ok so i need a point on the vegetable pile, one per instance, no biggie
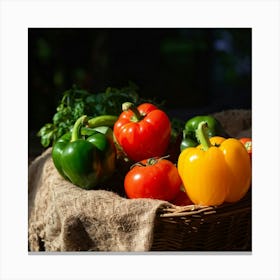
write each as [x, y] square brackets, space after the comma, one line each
[97, 138]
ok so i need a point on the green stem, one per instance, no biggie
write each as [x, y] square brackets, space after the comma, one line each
[105, 120]
[202, 136]
[130, 106]
[77, 127]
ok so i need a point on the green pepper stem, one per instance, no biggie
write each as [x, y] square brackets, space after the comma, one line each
[202, 136]
[130, 106]
[104, 120]
[77, 127]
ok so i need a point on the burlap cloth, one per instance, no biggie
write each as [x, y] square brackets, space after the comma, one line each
[63, 217]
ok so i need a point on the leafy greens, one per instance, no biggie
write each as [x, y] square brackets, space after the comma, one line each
[76, 102]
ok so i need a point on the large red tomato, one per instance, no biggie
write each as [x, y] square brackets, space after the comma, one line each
[142, 132]
[156, 178]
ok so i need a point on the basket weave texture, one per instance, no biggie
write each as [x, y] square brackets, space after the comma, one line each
[195, 228]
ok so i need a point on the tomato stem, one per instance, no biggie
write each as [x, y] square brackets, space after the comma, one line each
[152, 161]
[130, 106]
[137, 164]
[202, 136]
[149, 161]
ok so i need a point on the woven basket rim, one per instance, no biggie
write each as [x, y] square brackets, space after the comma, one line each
[173, 211]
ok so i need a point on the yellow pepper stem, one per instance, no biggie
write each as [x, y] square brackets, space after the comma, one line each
[202, 136]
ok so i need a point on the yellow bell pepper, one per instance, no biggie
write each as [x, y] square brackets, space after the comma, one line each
[216, 171]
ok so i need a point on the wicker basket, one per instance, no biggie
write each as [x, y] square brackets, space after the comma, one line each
[195, 228]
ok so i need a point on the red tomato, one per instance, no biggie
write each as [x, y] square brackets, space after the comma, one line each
[247, 142]
[143, 132]
[153, 178]
[182, 199]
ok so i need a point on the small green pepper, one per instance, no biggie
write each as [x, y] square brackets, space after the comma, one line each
[85, 156]
[189, 136]
[187, 142]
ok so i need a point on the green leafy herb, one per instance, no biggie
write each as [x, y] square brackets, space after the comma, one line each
[77, 102]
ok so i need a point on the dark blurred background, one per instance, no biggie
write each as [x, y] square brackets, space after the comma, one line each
[195, 71]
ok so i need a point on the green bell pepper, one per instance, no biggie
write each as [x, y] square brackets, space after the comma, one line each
[189, 136]
[187, 142]
[86, 156]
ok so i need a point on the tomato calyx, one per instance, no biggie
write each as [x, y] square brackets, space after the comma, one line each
[248, 146]
[247, 142]
[149, 161]
[154, 160]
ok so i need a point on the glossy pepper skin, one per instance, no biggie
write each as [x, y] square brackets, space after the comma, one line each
[85, 161]
[143, 132]
[217, 171]
[189, 136]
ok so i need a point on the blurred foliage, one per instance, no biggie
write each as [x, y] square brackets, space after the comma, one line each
[186, 67]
